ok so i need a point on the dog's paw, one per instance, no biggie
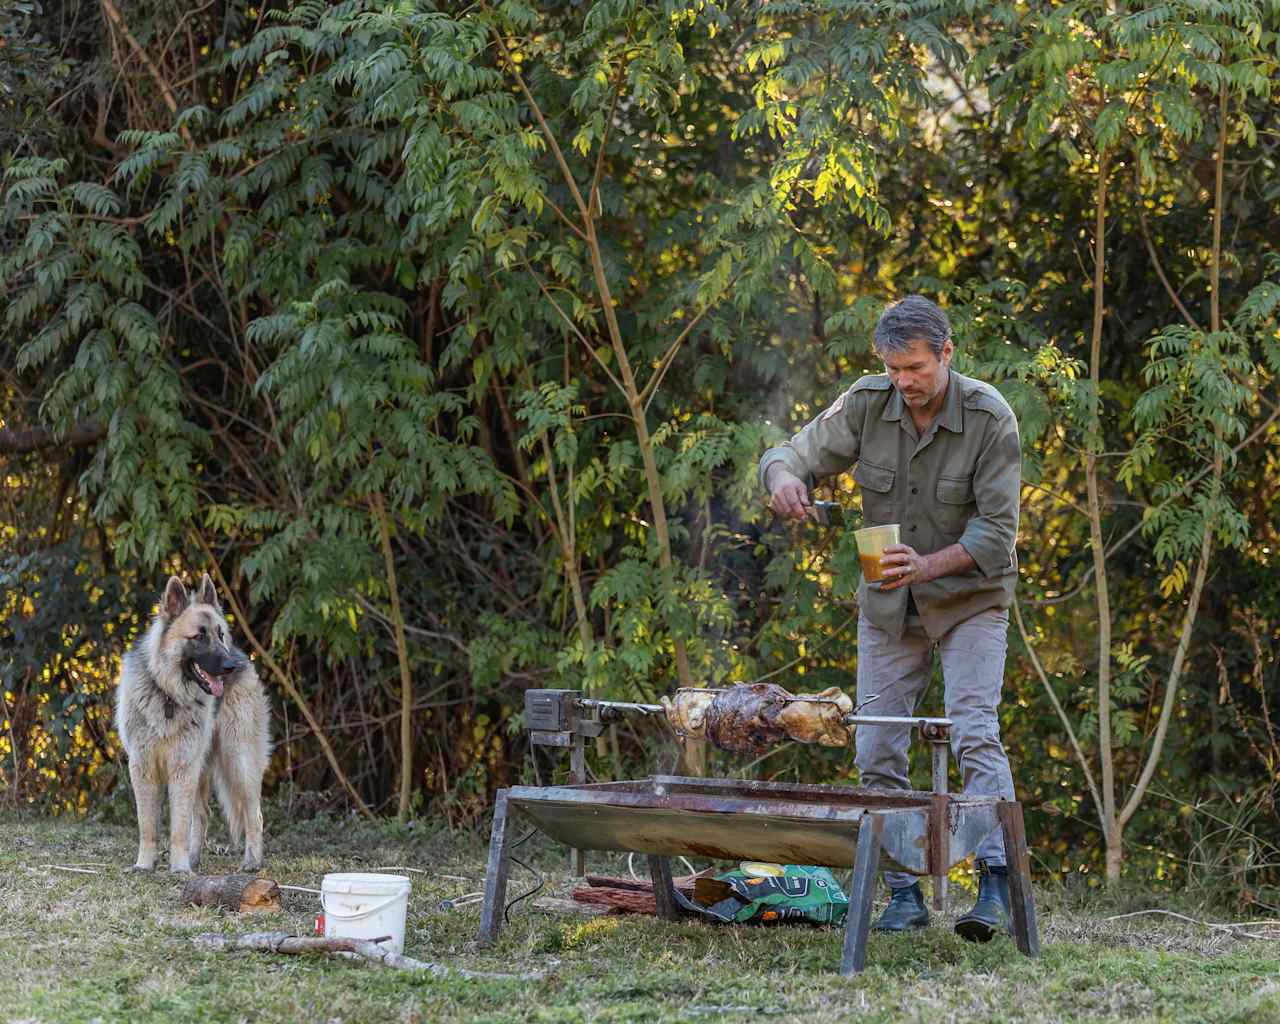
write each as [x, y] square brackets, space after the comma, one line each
[143, 869]
[251, 867]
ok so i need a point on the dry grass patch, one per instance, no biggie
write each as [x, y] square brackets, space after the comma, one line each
[117, 946]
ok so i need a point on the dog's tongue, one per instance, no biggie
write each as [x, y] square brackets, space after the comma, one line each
[215, 684]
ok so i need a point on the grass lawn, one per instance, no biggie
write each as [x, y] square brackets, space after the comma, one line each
[117, 946]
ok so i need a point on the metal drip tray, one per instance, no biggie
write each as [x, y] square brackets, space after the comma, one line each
[787, 823]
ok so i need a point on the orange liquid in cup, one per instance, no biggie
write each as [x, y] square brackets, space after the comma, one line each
[872, 540]
[871, 570]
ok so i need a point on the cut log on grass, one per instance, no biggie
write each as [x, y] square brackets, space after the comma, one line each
[626, 895]
[283, 942]
[554, 905]
[622, 901]
[684, 883]
[236, 893]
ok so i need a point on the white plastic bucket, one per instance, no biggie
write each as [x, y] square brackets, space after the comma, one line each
[365, 906]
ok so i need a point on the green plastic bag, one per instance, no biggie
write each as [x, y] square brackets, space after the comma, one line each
[773, 894]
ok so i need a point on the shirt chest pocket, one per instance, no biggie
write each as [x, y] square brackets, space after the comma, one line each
[876, 484]
[955, 505]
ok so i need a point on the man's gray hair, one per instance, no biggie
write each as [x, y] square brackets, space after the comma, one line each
[913, 318]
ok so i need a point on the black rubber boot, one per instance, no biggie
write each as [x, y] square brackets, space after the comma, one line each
[906, 910]
[992, 912]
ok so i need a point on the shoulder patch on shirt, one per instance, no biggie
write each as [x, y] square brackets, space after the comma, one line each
[872, 382]
[836, 406]
[982, 396]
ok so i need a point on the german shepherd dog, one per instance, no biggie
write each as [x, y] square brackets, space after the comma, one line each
[191, 711]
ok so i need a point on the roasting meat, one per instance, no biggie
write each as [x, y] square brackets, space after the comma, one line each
[743, 719]
[818, 717]
[687, 711]
[747, 719]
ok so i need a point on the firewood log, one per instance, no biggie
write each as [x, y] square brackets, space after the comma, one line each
[237, 893]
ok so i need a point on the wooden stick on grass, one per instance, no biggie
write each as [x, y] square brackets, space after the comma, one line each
[283, 942]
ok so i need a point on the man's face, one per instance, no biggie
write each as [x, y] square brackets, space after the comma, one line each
[917, 373]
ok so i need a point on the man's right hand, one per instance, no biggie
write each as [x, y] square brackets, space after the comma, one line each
[789, 496]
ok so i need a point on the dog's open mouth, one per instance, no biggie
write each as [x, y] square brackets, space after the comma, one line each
[212, 685]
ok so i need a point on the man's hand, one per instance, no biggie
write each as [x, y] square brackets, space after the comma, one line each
[788, 493]
[903, 566]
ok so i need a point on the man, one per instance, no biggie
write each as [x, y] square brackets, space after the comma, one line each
[938, 453]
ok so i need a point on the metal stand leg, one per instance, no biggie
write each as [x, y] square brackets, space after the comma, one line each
[865, 866]
[495, 876]
[663, 888]
[940, 787]
[577, 776]
[1025, 930]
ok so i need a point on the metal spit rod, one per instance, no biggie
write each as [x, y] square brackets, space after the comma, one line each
[926, 723]
[921, 723]
[620, 705]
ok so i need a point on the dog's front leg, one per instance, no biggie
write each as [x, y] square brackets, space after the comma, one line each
[252, 827]
[147, 796]
[199, 820]
[183, 782]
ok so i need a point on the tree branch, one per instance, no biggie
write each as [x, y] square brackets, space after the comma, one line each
[546, 130]
[650, 389]
[574, 327]
[117, 19]
[593, 196]
[1057, 497]
[1159, 269]
[1057, 706]
[20, 442]
[283, 942]
[564, 217]
[402, 656]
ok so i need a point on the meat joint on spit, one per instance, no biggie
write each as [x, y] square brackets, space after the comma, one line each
[743, 719]
[748, 718]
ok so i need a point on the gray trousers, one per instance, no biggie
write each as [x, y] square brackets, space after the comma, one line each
[972, 654]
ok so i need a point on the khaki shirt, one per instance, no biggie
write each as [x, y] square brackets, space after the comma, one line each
[959, 483]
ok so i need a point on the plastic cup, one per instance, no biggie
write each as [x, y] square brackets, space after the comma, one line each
[872, 540]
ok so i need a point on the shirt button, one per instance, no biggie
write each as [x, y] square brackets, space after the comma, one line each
[915, 490]
[913, 529]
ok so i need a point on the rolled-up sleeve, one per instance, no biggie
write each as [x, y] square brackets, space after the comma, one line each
[990, 535]
[827, 445]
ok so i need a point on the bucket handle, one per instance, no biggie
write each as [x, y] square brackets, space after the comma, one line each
[359, 913]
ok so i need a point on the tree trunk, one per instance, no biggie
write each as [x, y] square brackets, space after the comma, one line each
[402, 657]
[1103, 595]
[1115, 855]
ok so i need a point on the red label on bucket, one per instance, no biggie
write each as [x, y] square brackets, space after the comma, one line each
[320, 923]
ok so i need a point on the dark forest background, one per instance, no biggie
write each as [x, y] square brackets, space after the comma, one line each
[447, 338]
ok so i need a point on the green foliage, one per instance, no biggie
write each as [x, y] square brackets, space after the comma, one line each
[352, 269]
[59, 624]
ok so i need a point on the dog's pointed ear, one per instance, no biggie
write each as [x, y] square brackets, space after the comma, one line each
[207, 594]
[174, 602]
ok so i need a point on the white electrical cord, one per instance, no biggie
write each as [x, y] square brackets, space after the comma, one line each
[632, 871]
